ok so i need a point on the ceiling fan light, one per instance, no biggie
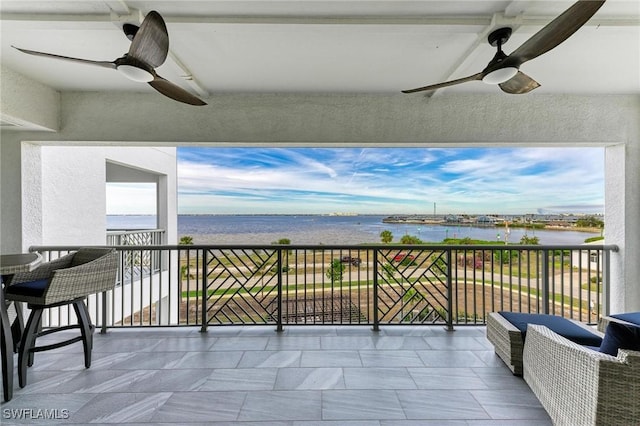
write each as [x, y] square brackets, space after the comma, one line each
[500, 75]
[135, 73]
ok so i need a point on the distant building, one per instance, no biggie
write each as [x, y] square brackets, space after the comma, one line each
[486, 220]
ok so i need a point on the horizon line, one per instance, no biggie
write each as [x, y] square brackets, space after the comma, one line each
[362, 214]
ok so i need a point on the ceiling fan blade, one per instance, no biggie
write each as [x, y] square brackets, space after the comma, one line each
[105, 64]
[519, 84]
[174, 92]
[474, 77]
[151, 42]
[556, 31]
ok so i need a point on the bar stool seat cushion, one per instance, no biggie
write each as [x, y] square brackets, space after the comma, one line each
[30, 288]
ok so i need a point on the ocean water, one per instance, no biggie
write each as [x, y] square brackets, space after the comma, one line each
[311, 229]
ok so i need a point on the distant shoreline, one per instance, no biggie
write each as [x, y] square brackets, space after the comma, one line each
[338, 214]
[394, 220]
[501, 223]
[574, 228]
[501, 226]
[324, 229]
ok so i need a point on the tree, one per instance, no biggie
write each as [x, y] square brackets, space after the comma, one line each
[386, 236]
[285, 261]
[282, 241]
[410, 239]
[590, 222]
[335, 271]
[505, 256]
[526, 240]
[389, 271]
[414, 300]
[186, 240]
[439, 261]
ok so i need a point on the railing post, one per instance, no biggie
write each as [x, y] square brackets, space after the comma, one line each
[279, 297]
[606, 282]
[103, 328]
[545, 282]
[376, 319]
[203, 326]
[449, 291]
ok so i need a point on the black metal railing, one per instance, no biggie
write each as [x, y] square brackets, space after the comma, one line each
[374, 285]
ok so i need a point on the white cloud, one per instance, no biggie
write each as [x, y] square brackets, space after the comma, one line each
[400, 180]
[131, 198]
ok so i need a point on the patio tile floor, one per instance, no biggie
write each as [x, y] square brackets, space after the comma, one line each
[304, 376]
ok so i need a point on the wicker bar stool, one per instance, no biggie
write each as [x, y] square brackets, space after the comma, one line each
[64, 281]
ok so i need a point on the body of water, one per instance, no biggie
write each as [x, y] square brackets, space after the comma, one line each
[303, 229]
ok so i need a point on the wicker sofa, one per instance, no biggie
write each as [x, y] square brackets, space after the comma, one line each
[580, 386]
[508, 340]
[629, 318]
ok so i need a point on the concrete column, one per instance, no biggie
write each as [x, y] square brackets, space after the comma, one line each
[622, 215]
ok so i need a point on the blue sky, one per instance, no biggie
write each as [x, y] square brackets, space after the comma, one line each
[377, 180]
[390, 180]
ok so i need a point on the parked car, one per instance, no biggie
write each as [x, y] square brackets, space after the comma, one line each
[355, 261]
[403, 257]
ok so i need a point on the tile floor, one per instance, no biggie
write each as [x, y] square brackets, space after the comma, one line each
[304, 376]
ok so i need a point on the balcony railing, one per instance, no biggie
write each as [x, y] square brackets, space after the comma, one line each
[374, 285]
[136, 264]
[137, 237]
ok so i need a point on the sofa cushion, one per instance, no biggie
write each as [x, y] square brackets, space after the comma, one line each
[632, 317]
[30, 288]
[620, 336]
[559, 325]
[593, 348]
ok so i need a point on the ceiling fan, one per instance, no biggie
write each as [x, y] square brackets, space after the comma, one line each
[149, 49]
[503, 69]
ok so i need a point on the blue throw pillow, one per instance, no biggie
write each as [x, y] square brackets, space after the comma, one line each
[632, 317]
[620, 336]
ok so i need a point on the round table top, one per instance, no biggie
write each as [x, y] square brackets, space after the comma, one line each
[12, 263]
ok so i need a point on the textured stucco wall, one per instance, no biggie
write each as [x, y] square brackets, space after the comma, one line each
[73, 196]
[347, 119]
[631, 222]
[622, 210]
[31, 184]
[64, 190]
[28, 102]
[387, 120]
[10, 193]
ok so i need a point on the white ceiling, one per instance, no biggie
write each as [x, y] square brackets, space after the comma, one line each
[331, 46]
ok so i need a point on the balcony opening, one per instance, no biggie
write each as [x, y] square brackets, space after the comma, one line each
[131, 206]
